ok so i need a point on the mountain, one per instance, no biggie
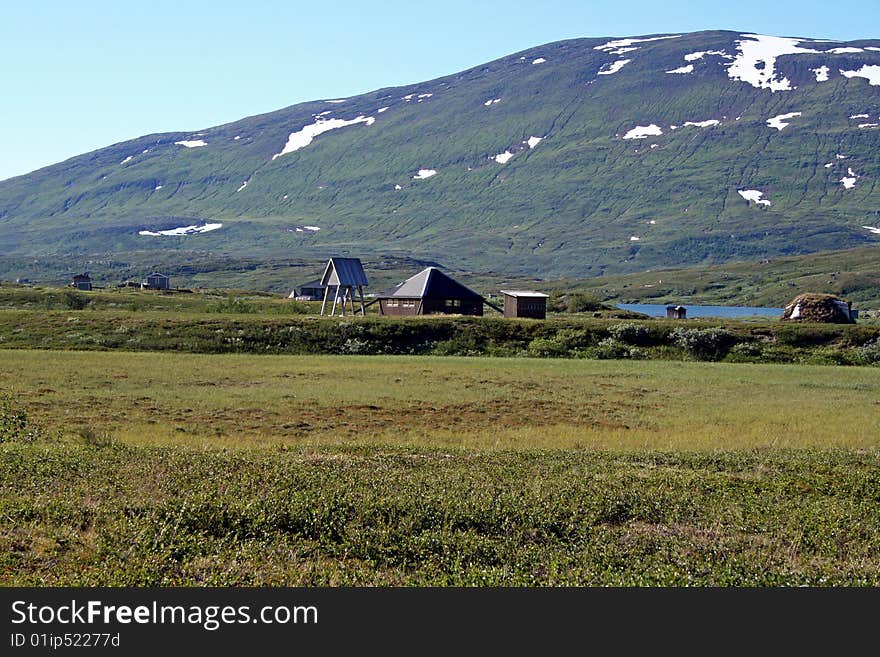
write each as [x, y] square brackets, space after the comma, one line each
[576, 158]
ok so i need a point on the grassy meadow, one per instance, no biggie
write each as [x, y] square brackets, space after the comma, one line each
[157, 469]
[472, 403]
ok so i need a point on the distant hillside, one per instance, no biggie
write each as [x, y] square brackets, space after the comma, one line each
[572, 159]
[853, 274]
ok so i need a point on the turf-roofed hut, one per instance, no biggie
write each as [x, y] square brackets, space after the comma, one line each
[430, 292]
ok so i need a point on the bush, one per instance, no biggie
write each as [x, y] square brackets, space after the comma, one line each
[14, 424]
[869, 353]
[612, 348]
[565, 343]
[630, 333]
[582, 303]
[704, 344]
[75, 301]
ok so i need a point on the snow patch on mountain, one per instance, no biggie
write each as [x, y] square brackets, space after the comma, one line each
[821, 73]
[756, 62]
[191, 143]
[876, 231]
[703, 124]
[643, 131]
[424, 173]
[684, 69]
[694, 56]
[845, 51]
[613, 67]
[539, 60]
[870, 72]
[182, 230]
[754, 195]
[620, 46]
[303, 137]
[491, 102]
[780, 122]
[533, 141]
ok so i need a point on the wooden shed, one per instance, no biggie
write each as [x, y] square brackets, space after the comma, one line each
[156, 281]
[676, 312]
[82, 281]
[343, 276]
[430, 292]
[311, 291]
[525, 303]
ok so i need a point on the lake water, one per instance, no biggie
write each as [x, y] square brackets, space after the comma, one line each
[659, 310]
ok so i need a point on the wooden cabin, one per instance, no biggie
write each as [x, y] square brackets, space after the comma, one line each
[82, 281]
[311, 291]
[676, 312]
[156, 281]
[525, 303]
[430, 292]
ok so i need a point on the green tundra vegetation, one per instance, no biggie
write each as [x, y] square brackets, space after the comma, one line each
[235, 438]
[124, 468]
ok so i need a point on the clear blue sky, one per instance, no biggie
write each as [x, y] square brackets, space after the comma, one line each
[77, 76]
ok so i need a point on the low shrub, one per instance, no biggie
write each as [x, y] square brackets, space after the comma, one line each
[15, 427]
[704, 344]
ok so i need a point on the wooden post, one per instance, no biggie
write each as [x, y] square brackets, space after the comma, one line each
[335, 299]
[324, 305]
[361, 293]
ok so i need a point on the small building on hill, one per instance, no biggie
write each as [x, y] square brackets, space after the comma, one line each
[81, 281]
[430, 292]
[813, 307]
[676, 312]
[311, 291]
[156, 281]
[525, 303]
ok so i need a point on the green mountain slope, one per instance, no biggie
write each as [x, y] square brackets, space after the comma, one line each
[576, 158]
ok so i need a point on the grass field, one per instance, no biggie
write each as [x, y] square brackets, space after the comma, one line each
[474, 403]
[156, 469]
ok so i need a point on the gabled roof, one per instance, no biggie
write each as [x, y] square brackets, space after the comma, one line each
[314, 283]
[344, 271]
[430, 283]
[156, 274]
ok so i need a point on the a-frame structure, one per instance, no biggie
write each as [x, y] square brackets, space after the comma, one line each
[343, 275]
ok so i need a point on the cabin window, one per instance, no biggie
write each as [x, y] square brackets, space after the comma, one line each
[409, 303]
[453, 303]
[392, 303]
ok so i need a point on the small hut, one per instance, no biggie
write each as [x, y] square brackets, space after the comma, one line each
[676, 312]
[311, 291]
[430, 292]
[525, 303]
[82, 281]
[813, 307]
[344, 275]
[156, 281]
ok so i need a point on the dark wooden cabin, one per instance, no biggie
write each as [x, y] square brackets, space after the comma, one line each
[82, 282]
[525, 303]
[430, 292]
[311, 291]
[676, 312]
[156, 281]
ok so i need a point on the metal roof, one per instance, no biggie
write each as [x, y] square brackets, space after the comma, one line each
[430, 283]
[314, 283]
[525, 293]
[344, 271]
